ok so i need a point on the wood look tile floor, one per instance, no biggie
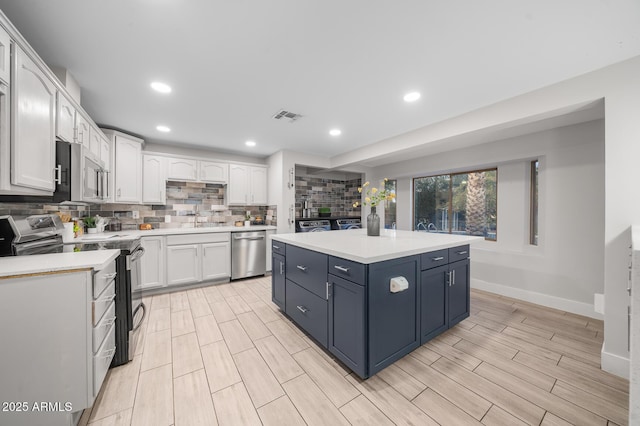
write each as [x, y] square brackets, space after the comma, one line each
[226, 355]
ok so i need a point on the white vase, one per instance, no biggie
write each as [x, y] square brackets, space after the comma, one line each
[92, 230]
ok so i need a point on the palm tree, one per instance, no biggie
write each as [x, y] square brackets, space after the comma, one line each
[475, 213]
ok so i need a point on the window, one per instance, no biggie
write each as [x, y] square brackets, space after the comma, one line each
[390, 209]
[460, 203]
[533, 216]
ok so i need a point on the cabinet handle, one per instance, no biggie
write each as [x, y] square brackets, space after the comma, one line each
[328, 292]
[119, 192]
[454, 277]
[436, 259]
[449, 276]
[281, 268]
[302, 268]
[462, 252]
[302, 309]
[629, 328]
[109, 276]
[58, 178]
[276, 247]
[341, 268]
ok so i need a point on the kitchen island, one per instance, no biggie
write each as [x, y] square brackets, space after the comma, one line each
[372, 300]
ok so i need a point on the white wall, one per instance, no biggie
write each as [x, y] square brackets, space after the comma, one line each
[567, 267]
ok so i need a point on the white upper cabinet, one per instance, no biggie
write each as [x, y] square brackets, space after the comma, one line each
[238, 189]
[154, 179]
[83, 131]
[105, 152]
[182, 169]
[33, 135]
[5, 56]
[258, 180]
[213, 172]
[247, 185]
[128, 170]
[66, 119]
[95, 141]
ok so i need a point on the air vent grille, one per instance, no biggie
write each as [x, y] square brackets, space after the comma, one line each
[287, 115]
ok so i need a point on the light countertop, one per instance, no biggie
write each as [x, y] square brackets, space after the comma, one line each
[55, 262]
[134, 233]
[357, 246]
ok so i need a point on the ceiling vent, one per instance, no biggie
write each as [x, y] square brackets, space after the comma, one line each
[287, 116]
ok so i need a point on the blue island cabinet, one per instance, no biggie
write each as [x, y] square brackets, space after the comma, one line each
[350, 308]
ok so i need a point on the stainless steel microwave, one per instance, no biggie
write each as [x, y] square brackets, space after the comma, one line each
[80, 176]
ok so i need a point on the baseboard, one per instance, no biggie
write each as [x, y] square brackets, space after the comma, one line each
[614, 364]
[566, 305]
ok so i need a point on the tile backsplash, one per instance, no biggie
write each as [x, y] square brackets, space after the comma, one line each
[338, 195]
[186, 203]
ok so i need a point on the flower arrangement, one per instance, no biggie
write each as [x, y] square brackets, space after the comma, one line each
[373, 195]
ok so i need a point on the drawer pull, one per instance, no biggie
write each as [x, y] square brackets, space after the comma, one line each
[105, 299]
[276, 247]
[109, 276]
[302, 309]
[462, 252]
[302, 268]
[341, 268]
[436, 259]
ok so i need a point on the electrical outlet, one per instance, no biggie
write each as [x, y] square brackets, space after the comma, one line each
[167, 218]
[135, 214]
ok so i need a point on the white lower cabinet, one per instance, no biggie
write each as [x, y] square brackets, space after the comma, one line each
[61, 346]
[216, 261]
[198, 257]
[183, 264]
[153, 262]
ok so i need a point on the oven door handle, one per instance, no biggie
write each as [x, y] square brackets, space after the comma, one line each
[144, 314]
[134, 256]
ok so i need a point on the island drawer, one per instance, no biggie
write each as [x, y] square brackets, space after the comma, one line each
[103, 278]
[348, 269]
[307, 310]
[308, 269]
[278, 247]
[434, 259]
[458, 253]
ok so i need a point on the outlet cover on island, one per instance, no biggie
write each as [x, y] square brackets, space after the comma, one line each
[135, 214]
[167, 218]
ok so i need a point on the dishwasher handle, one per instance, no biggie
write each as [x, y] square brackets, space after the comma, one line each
[258, 237]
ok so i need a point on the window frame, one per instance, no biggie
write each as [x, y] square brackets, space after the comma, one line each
[450, 195]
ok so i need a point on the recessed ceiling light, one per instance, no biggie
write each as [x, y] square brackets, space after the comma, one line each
[412, 97]
[335, 132]
[163, 129]
[161, 87]
[250, 143]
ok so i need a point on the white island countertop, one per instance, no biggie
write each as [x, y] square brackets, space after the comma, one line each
[357, 246]
[38, 264]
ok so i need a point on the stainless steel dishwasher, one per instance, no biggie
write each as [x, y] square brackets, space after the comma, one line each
[248, 254]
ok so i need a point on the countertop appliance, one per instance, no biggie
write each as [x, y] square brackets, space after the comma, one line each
[248, 254]
[130, 310]
[313, 225]
[342, 224]
[37, 234]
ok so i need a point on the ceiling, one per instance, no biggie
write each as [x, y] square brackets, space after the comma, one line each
[340, 64]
